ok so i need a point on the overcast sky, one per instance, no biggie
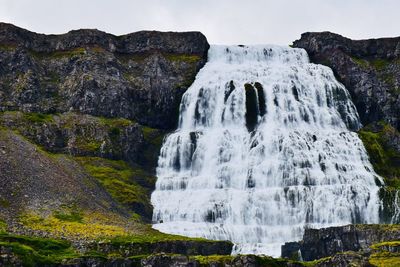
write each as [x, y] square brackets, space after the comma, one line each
[222, 21]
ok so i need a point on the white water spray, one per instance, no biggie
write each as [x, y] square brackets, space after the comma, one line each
[256, 171]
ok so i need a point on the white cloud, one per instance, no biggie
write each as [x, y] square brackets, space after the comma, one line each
[222, 21]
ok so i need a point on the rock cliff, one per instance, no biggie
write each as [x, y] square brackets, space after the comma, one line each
[139, 76]
[325, 242]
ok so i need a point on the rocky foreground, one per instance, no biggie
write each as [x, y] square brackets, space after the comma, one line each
[82, 119]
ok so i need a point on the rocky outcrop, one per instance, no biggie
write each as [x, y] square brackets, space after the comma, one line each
[319, 243]
[185, 247]
[370, 70]
[139, 76]
[79, 134]
[345, 260]
[216, 261]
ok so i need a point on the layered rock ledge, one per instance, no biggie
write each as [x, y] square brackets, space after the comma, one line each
[139, 76]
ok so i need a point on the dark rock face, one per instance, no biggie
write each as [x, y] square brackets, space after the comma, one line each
[320, 243]
[79, 135]
[188, 247]
[233, 261]
[139, 76]
[370, 70]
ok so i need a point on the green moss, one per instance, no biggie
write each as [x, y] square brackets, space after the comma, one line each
[58, 54]
[38, 117]
[385, 259]
[315, 262]
[89, 145]
[117, 178]
[153, 136]
[7, 47]
[384, 159]
[361, 62]
[380, 64]
[386, 244]
[69, 216]
[126, 193]
[206, 260]
[114, 133]
[34, 251]
[272, 262]
[115, 122]
[183, 58]
[125, 57]
[146, 234]
[53, 78]
[3, 226]
[103, 169]
[4, 203]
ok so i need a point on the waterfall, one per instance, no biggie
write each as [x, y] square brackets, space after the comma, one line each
[264, 148]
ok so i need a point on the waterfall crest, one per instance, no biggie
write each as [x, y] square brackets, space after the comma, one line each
[264, 148]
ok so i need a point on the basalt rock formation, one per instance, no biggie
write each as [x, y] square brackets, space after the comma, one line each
[326, 242]
[139, 76]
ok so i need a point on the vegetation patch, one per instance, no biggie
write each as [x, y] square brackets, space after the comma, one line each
[126, 57]
[115, 122]
[207, 260]
[35, 251]
[153, 136]
[146, 234]
[385, 160]
[71, 229]
[361, 62]
[38, 117]
[117, 177]
[385, 259]
[58, 54]
[315, 262]
[183, 58]
[7, 47]
[4, 203]
[71, 216]
[378, 63]
[3, 226]
[386, 244]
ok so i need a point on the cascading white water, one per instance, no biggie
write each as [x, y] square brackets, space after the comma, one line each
[263, 150]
